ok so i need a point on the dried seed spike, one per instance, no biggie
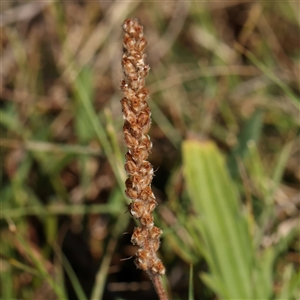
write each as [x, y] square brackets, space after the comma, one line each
[137, 115]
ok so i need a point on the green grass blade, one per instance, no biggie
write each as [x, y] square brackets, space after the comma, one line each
[73, 278]
[250, 131]
[101, 275]
[284, 87]
[58, 209]
[191, 284]
[99, 130]
[40, 266]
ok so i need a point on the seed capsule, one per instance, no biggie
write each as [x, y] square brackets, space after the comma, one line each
[155, 232]
[147, 220]
[128, 42]
[142, 44]
[130, 191]
[137, 209]
[130, 167]
[141, 264]
[144, 117]
[158, 268]
[146, 194]
[155, 245]
[139, 236]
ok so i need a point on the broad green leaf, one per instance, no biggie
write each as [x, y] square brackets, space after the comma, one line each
[224, 229]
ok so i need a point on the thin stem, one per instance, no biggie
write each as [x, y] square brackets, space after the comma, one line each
[157, 283]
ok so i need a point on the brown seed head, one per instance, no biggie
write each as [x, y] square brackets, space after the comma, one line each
[137, 115]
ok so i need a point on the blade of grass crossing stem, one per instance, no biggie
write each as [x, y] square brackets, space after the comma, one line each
[225, 231]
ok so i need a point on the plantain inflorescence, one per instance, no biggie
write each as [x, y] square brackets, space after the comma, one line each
[137, 115]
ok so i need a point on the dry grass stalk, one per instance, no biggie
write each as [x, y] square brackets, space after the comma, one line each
[137, 115]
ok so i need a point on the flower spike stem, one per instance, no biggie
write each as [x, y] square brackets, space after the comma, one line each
[137, 115]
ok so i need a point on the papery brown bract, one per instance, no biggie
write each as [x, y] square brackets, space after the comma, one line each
[139, 236]
[130, 167]
[155, 232]
[158, 268]
[137, 208]
[130, 192]
[147, 220]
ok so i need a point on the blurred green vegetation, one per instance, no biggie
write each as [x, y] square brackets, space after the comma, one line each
[224, 86]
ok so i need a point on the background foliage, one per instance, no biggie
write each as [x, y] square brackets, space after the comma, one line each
[224, 86]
